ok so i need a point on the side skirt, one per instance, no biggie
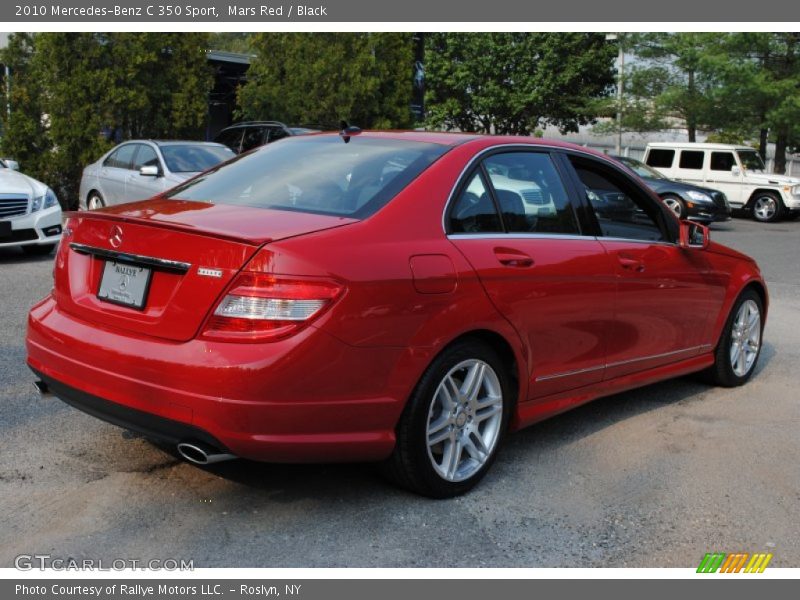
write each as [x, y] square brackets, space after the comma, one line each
[540, 409]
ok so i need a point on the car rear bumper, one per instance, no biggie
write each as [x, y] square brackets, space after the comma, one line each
[310, 398]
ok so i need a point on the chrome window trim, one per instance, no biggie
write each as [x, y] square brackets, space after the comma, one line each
[149, 261]
[532, 147]
[520, 236]
[621, 363]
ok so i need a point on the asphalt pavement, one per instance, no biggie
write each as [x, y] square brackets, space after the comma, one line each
[655, 477]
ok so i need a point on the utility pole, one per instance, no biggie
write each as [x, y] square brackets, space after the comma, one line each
[620, 86]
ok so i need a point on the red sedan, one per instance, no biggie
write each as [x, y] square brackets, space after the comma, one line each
[398, 297]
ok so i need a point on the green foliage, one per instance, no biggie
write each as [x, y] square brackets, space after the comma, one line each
[512, 83]
[150, 85]
[241, 43]
[323, 78]
[25, 136]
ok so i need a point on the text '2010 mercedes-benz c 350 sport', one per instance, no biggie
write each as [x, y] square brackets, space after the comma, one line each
[402, 297]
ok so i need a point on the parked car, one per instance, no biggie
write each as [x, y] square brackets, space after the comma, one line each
[141, 169]
[737, 171]
[687, 201]
[30, 215]
[385, 300]
[247, 135]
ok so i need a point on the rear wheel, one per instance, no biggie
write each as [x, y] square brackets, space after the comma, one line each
[676, 205]
[740, 346]
[454, 422]
[767, 207]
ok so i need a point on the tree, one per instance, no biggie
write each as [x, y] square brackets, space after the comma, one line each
[323, 78]
[25, 136]
[512, 83]
[95, 89]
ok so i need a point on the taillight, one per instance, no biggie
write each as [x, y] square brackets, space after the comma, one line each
[260, 307]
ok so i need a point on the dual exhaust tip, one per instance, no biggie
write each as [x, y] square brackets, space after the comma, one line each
[194, 452]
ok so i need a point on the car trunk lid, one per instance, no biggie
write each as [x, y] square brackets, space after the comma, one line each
[176, 257]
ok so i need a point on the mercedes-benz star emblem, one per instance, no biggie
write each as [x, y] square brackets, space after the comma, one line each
[115, 238]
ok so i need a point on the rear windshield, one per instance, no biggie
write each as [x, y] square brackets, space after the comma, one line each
[193, 158]
[319, 174]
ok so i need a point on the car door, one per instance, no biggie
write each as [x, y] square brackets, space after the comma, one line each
[665, 296]
[114, 172]
[141, 187]
[515, 222]
[725, 174]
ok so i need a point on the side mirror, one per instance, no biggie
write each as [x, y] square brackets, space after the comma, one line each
[149, 171]
[693, 235]
[12, 164]
[736, 171]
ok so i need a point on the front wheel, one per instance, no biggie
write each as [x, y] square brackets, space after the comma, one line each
[740, 345]
[450, 431]
[767, 207]
[676, 205]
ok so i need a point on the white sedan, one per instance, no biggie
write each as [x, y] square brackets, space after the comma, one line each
[140, 169]
[30, 216]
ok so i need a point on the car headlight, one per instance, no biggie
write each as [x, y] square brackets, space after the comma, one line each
[796, 190]
[699, 196]
[48, 200]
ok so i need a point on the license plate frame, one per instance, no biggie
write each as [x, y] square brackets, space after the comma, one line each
[125, 284]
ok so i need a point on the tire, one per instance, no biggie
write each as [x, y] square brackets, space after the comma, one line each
[732, 368]
[767, 207]
[675, 205]
[94, 201]
[38, 250]
[428, 436]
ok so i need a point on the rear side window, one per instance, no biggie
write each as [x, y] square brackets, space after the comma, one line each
[692, 159]
[122, 157]
[660, 158]
[722, 161]
[319, 174]
[474, 210]
[530, 193]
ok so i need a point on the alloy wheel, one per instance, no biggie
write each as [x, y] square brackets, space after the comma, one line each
[674, 205]
[464, 420]
[745, 338]
[765, 208]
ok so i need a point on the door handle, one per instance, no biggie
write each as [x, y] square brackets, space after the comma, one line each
[513, 258]
[632, 264]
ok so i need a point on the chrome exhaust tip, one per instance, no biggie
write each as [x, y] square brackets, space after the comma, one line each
[41, 388]
[202, 454]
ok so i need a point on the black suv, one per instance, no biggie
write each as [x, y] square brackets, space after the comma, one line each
[245, 136]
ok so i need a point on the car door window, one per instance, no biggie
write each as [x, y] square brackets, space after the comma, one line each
[692, 159]
[530, 193]
[474, 210]
[232, 139]
[622, 210]
[145, 157]
[722, 161]
[122, 157]
[276, 133]
[253, 138]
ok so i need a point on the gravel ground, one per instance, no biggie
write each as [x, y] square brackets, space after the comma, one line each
[654, 477]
